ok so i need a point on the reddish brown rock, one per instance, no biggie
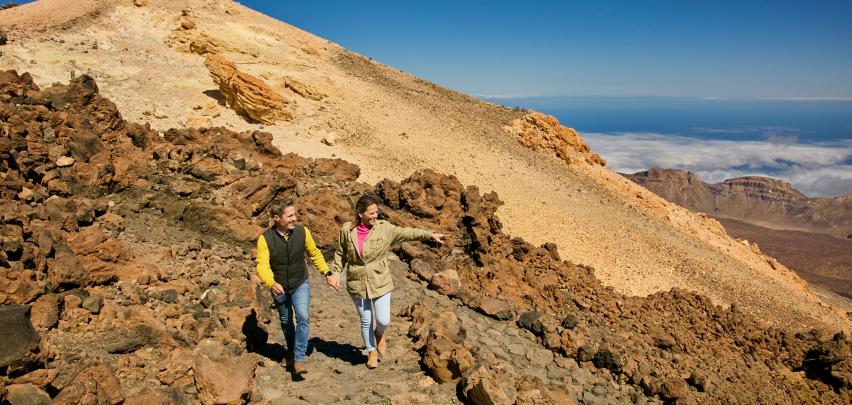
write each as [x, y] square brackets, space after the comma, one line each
[26, 394]
[497, 308]
[157, 396]
[338, 169]
[490, 384]
[44, 312]
[446, 360]
[538, 131]
[428, 325]
[446, 282]
[224, 381]
[19, 287]
[245, 93]
[40, 378]
[93, 385]
[20, 348]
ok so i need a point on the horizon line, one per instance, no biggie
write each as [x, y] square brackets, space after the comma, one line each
[701, 98]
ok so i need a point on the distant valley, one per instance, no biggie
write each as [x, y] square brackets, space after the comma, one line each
[809, 235]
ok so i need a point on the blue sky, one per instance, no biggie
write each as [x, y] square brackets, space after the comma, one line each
[741, 49]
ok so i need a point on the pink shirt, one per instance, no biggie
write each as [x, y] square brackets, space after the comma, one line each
[361, 232]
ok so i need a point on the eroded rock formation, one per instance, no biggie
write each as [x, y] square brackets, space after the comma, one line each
[246, 94]
[538, 131]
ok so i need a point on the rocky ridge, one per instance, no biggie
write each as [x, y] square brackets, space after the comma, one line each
[127, 277]
[762, 201]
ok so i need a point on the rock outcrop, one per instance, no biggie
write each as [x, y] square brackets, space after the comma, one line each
[246, 94]
[538, 131]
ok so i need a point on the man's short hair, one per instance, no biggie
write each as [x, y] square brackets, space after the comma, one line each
[278, 206]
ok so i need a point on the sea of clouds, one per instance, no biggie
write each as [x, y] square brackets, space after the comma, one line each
[815, 169]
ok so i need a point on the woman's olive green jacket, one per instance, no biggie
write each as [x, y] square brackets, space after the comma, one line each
[368, 275]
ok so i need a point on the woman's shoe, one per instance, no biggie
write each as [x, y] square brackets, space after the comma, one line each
[372, 359]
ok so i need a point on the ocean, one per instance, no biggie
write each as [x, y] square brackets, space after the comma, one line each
[805, 142]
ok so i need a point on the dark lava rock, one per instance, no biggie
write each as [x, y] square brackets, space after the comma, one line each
[570, 322]
[19, 350]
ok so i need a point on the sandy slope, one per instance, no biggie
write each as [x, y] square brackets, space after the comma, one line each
[391, 124]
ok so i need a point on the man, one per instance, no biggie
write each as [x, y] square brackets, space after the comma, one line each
[282, 267]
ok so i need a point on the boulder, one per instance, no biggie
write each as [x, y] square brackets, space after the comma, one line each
[446, 282]
[96, 384]
[127, 338]
[226, 380]
[538, 131]
[490, 384]
[339, 169]
[40, 378]
[65, 269]
[44, 312]
[496, 308]
[246, 94]
[303, 89]
[19, 287]
[422, 269]
[157, 396]
[446, 360]
[93, 303]
[26, 394]
[428, 325]
[198, 122]
[20, 348]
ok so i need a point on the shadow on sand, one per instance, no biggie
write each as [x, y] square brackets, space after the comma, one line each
[342, 351]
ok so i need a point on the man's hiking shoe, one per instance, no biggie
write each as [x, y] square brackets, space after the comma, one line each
[299, 367]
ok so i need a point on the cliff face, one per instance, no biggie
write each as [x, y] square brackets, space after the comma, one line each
[759, 200]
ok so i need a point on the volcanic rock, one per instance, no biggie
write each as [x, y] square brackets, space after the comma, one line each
[93, 385]
[491, 384]
[446, 282]
[224, 381]
[44, 312]
[26, 394]
[20, 348]
[497, 308]
[245, 93]
[446, 360]
[539, 131]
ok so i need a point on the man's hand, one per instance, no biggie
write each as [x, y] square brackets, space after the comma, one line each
[333, 281]
[277, 289]
[438, 237]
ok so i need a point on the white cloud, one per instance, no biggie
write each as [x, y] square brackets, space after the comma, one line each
[814, 169]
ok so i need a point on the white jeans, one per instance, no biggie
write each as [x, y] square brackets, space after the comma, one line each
[370, 310]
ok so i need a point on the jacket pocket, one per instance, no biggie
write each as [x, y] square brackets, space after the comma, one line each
[381, 274]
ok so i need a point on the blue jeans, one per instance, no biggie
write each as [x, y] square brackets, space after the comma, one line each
[297, 301]
[375, 318]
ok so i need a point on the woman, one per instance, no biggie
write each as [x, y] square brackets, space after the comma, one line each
[362, 251]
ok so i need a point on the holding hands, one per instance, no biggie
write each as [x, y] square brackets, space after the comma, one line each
[333, 281]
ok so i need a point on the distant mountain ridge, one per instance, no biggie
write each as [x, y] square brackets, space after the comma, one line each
[758, 200]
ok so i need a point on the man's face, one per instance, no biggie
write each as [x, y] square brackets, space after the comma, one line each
[287, 219]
